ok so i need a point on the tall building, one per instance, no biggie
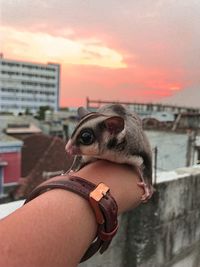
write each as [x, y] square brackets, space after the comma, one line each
[28, 86]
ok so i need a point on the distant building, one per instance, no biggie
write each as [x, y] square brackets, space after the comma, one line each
[61, 123]
[25, 86]
[10, 162]
[9, 119]
[21, 131]
[161, 116]
[145, 109]
[42, 157]
[156, 115]
[19, 126]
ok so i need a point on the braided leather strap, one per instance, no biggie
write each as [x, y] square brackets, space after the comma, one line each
[103, 204]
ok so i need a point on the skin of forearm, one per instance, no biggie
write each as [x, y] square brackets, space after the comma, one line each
[47, 231]
[56, 228]
[121, 179]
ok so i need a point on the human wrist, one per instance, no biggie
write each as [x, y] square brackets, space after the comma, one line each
[121, 179]
[101, 201]
[121, 183]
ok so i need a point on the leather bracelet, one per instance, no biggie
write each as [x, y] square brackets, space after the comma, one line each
[103, 204]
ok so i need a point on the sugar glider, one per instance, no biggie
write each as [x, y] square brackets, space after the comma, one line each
[115, 134]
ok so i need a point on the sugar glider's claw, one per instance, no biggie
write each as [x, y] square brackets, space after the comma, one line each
[148, 191]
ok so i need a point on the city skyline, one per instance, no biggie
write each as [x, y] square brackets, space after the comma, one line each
[126, 51]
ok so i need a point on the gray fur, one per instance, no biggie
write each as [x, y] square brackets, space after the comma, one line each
[136, 140]
[129, 146]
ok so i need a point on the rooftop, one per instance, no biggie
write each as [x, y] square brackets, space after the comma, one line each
[6, 140]
[6, 120]
[19, 129]
[41, 154]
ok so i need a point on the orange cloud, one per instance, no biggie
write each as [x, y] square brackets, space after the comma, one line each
[129, 84]
[175, 88]
[45, 47]
[91, 67]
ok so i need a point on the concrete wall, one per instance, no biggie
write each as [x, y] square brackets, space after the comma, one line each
[168, 145]
[163, 233]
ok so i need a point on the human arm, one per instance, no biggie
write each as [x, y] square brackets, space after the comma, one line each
[56, 228]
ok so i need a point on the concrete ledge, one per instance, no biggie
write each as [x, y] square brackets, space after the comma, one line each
[6, 209]
[162, 233]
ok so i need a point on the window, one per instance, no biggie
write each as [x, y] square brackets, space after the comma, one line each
[10, 72]
[10, 64]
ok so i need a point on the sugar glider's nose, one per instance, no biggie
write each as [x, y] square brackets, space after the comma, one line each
[71, 149]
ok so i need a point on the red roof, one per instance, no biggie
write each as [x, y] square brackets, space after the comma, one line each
[40, 153]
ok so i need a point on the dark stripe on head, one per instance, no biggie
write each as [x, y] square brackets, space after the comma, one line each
[121, 146]
[112, 144]
[86, 118]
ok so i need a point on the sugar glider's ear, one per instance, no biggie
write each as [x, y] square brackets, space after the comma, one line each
[82, 112]
[114, 124]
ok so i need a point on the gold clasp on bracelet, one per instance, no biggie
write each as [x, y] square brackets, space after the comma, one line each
[95, 196]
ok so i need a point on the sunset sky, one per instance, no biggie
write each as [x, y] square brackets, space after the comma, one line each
[137, 51]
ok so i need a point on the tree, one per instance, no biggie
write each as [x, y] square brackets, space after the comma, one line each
[27, 111]
[41, 112]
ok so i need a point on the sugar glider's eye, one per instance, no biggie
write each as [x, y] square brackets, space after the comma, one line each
[86, 137]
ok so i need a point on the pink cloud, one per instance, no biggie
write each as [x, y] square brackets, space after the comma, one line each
[158, 42]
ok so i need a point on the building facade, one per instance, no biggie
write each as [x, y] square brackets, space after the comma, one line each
[10, 162]
[28, 86]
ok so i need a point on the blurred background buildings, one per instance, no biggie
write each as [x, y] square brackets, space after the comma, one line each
[25, 86]
[34, 130]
